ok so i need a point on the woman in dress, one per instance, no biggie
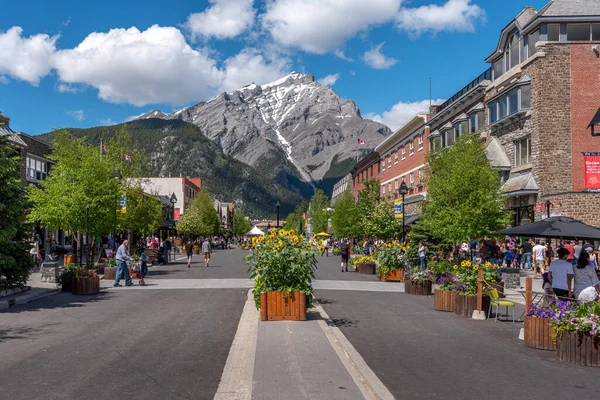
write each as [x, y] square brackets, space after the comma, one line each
[584, 275]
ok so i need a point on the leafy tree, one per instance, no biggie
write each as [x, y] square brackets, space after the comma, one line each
[200, 218]
[368, 198]
[15, 260]
[144, 212]
[463, 199]
[345, 218]
[292, 222]
[240, 224]
[319, 204]
[382, 223]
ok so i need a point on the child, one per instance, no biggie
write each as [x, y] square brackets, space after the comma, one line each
[508, 257]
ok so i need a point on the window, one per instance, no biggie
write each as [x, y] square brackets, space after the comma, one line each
[383, 190]
[553, 32]
[421, 176]
[503, 107]
[421, 141]
[514, 101]
[522, 152]
[411, 179]
[396, 184]
[595, 31]
[435, 143]
[403, 148]
[534, 37]
[36, 170]
[449, 138]
[473, 123]
[525, 97]
[383, 165]
[389, 161]
[514, 51]
[476, 122]
[371, 171]
[395, 157]
[493, 111]
[378, 170]
[412, 146]
[498, 68]
[578, 32]
[390, 187]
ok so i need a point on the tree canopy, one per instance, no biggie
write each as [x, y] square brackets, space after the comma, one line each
[345, 219]
[319, 204]
[200, 218]
[241, 225]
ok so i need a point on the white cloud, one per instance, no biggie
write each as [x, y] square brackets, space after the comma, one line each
[223, 19]
[67, 88]
[401, 113]
[77, 114]
[455, 15]
[374, 58]
[250, 66]
[329, 80]
[322, 26]
[128, 66]
[27, 59]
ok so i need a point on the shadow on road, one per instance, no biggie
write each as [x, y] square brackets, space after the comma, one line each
[60, 300]
[324, 301]
[342, 322]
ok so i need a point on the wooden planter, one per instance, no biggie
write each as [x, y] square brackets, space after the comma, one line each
[465, 305]
[538, 333]
[393, 276]
[417, 288]
[443, 300]
[574, 348]
[277, 306]
[368, 268]
[110, 274]
[89, 285]
[66, 284]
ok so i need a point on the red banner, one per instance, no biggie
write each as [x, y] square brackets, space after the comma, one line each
[177, 214]
[591, 172]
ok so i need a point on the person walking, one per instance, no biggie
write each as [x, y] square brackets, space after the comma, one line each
[345, 254]
[584, 275]
[560, 274]
[122, 259]
[189, 250]
[571, 257]
[526, 258]
[538, 253]
[423, 255]
[206, 250]
[474, 245]
[577, 249]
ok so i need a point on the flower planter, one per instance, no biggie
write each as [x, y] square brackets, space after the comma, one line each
[110, 274]
[277, 306]
[393, 276]
[443, 300]
[417, 288]
[368, 268]
[465, 305]
[574, 348]
[538, 333]
[89, 285]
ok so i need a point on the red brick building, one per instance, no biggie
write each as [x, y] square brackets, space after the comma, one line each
[365, 169]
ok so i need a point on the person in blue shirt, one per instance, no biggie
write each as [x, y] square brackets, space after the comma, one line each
[474, 250]
[122, 259]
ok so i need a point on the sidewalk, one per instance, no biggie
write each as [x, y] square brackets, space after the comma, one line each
[38, 289]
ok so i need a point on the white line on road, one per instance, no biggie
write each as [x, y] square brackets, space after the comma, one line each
[236, 381]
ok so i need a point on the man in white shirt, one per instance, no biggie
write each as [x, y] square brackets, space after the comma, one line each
[538, 254]
[122, 258]
[561, 274]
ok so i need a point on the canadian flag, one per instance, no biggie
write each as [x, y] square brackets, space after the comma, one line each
[360, 141]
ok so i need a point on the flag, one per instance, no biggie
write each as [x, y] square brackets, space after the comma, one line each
[361, 141]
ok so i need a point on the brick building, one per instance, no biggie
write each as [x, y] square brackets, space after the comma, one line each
[543, 95]
[402, 158]
[365, 169]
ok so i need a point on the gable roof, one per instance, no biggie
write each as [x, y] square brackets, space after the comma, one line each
[11, 135]
[565, 8]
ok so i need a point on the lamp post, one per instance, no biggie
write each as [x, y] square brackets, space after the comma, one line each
[403, 190]
[278, 205]
[173, 201]
[117, 177]
[87, 233]
[548, 207]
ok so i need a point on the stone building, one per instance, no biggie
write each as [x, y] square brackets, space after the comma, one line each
[340, 187]
[185, 190]
[542, 97]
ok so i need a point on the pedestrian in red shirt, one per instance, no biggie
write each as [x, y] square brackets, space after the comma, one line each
[571, 257]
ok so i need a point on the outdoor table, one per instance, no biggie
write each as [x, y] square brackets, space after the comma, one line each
[535, 298]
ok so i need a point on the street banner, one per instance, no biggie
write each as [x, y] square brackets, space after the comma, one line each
[177, 213]
[398, 209]
[123, 204]
[591, 172]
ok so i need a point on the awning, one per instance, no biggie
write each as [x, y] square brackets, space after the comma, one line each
[411, 219]
[520, 185]
[596, 119]
[496, 155]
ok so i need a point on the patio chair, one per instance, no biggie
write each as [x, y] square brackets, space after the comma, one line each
[496, 302]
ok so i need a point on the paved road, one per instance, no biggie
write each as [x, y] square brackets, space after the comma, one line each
[121, 344]
[420, 353]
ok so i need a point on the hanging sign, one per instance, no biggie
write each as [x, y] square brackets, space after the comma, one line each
[591, 172]
[398, 209]
[123, 204]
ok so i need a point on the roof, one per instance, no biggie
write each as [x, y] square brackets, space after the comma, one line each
[414, 124]
[495, 154]
[521, 184]
[11, 135]
[565, 8]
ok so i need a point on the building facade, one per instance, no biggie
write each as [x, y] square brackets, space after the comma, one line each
[340, 187]
[185, 189]
[225, 211]
[365, 169]
[402, 158]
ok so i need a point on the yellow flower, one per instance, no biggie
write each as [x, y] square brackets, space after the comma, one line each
[456, 267]
[280, 243]
[476, 267]
[275, 249]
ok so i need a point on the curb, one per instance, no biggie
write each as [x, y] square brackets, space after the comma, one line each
[35, 296]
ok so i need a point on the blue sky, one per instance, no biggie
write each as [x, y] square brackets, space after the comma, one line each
[83, 64]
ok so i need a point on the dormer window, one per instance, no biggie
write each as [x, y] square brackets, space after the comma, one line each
[403, 152]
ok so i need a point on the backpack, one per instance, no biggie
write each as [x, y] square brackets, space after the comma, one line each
[344, 249]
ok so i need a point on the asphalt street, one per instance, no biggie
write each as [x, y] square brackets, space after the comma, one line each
[420, 353]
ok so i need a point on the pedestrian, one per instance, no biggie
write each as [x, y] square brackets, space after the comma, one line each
[167, 250]
[577, 248]
[588, 245]
[584, 275]
[571, 249]
[206, 250]
[474, 250]
[549, 295]
[549, 253]
[561, 274]
[593, 257]
[189, 250]
[526, 258]
[325, 247]
[485, 250]
[154, 243]
[345, 254]
[122, 259]
[144, 266]
[538, 252]
[423, 255]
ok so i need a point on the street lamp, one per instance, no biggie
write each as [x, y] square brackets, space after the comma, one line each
[87, 234]
[117, 177]
[173, 201]
[278, 205]
[403, 190]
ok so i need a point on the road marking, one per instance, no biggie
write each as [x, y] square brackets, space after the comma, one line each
[236, 381]
[366, 380]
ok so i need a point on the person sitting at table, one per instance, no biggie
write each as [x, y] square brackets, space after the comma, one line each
[584, 275]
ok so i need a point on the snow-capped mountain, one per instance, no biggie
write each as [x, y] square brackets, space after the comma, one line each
[293, 120]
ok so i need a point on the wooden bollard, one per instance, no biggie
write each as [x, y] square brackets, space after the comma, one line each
[263, 306]
[479, 313]
[528, 293]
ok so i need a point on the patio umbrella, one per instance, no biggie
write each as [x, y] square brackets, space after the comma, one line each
[255, 232]
[322, 234]
[554, 227]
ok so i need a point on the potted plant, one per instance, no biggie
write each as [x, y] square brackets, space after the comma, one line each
[86, 282]
[364, 264]
[577, 334]
[444, 296]
[391, 261]
[66, 277]
[282, 265]
[418, 281]
[467, 283]
[110, 271]
[336, 251]
[537, 325]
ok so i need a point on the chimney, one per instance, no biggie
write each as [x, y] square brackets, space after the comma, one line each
[433, 109]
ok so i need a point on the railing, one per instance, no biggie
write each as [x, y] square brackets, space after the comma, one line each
[486, 75]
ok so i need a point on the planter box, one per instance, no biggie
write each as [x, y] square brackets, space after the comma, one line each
[393, 276]
[368, 268]
[417, 288]
[86, 285]
[443, 300]
[277, 306]
[538, 333]
[66, 285]
[574, 348]
[465, 305]
[110, 274]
